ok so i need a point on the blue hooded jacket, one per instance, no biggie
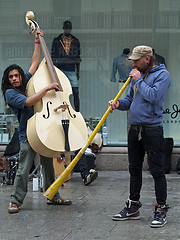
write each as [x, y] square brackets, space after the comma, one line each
[145, 97]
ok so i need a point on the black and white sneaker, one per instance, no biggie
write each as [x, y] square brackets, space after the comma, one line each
[159, 216]
[90, 177]
[130, 212]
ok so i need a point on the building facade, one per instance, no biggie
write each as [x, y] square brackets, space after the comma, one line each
[104, 28]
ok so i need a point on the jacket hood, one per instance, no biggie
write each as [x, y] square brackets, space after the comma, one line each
[158, 67]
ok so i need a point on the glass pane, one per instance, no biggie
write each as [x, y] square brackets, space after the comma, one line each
[104, 28]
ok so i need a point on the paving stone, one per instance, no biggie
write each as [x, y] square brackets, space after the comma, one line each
[90, 215]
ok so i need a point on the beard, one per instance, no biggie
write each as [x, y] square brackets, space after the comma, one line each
[144, 67]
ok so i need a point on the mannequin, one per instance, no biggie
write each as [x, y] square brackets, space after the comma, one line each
[65, 53]
[122, 65]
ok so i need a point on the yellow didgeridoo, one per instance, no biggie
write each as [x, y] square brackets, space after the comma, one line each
[51, 191]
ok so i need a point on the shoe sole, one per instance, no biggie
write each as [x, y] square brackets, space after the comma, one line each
[13, 211]
[124, 219]
[93, 177]
[158, 226]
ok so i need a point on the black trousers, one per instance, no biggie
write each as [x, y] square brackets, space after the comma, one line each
[151, 142]
[76, 98]
[85, 163]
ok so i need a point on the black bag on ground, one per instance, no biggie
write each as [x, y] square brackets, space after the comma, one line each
[178, 166]
[12, 168]
[167, 152]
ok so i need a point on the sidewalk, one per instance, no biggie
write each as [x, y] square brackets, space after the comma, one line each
[90, 215]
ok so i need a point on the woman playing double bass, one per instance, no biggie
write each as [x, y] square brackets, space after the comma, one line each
[13, 88]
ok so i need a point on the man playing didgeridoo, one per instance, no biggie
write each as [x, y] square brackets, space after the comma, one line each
[144, 100]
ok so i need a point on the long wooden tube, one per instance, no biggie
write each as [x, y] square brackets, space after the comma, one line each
[51, 191]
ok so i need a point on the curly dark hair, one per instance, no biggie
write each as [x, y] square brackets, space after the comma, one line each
[7, 85]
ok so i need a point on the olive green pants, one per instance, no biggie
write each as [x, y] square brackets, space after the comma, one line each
[26, 158]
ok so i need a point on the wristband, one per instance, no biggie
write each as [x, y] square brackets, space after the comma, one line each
[37, 42]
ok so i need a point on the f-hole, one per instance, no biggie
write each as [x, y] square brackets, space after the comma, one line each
[48, 112]
[72, 116]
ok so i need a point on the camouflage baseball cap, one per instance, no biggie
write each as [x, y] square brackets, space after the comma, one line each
[141, 51]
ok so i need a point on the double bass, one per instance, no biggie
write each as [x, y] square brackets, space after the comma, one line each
[55, 128]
